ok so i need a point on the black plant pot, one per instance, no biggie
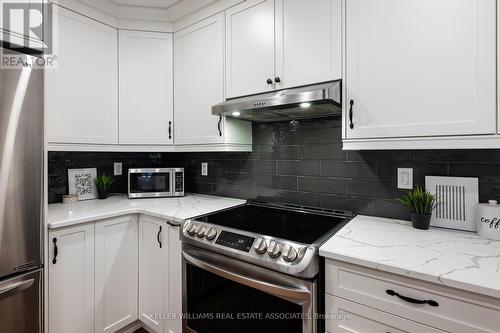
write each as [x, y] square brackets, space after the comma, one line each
[421, 221]
[102, 194]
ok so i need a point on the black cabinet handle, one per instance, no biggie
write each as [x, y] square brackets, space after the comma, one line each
[411, 300]
[158, 237]
[351, 103]
[170, 130]
[277, 79]
[56, 251]
[269, 81]
[219, 124]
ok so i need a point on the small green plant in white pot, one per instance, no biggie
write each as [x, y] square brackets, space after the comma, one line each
[421, 204]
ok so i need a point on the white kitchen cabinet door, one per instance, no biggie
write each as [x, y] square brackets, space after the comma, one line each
[116, 273]
[82, 92]
[174, 280]
[146, 88]
[153, 243]
[71, 279]
[308, 42]
[199, 68]
[250, 48]
[420, 68]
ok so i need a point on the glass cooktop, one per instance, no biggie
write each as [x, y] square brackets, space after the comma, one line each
[302, 225]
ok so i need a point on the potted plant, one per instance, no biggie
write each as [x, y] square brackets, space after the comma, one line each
[103, 183]
[421, 203]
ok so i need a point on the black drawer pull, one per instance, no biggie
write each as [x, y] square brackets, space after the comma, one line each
[351, 103]
[170, 130]
[158, 237]
[56, 251]
[411, 300]
[218, 125]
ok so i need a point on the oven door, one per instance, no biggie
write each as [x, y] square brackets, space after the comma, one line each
[225, 295]
[150, 183]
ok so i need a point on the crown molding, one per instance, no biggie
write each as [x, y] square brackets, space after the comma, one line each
[171, 19]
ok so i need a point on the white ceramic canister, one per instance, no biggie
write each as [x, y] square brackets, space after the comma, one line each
[488, 220]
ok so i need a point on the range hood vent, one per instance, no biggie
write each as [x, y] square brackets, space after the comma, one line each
[313, 101]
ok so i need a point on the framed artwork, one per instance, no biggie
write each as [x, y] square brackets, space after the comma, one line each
[456, 199]
[81, 183]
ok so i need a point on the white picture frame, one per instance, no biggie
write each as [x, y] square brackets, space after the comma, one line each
[81, 183]
[456, 200]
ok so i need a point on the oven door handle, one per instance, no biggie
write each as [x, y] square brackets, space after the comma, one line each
[298, 295]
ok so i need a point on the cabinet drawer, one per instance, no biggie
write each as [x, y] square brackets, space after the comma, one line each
[456, 310]
[353, 317]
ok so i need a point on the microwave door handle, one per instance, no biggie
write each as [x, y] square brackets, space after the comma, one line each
[286, 292]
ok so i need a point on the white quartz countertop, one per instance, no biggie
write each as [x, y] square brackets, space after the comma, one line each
[174, 209]
[456, 259]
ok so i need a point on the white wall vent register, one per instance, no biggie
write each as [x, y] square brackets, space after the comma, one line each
[456, 199]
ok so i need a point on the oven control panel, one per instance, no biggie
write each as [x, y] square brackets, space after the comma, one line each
[258, 248]
[235, 241]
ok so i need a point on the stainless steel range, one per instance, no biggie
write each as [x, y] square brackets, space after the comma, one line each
[256, 268]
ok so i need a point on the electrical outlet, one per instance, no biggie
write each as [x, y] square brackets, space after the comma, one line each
[204, 169]
[405, 178]
[117, 168]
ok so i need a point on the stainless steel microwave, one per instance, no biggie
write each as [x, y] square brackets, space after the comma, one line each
[155, 183]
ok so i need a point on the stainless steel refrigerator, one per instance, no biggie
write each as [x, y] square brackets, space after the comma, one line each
[21, 165]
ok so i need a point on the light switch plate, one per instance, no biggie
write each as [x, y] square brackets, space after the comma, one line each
[117, 166]
[405, 178]
[204, 169]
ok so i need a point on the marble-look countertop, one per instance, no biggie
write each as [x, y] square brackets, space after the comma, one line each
[175, 210]
[456, 259]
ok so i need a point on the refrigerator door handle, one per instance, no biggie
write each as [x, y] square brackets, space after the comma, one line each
[15, 288]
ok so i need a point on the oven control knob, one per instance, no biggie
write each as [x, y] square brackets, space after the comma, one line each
[260, 246]
[274, 249]
[191, 229]
[200, 231]
[289, 253]
[210, 234]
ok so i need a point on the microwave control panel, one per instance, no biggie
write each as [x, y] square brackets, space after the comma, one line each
[179, 182]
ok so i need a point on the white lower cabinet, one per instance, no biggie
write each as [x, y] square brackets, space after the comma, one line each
[375, 301]
[108, 274]
[71, 279]
[153, 240]
[116, 273]
[174, 280]
[160, 283]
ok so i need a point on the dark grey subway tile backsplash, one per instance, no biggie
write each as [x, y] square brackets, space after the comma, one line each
[301, 164]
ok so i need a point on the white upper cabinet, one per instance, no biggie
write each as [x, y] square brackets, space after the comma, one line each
[146, 88]
[116, 273]
[417, 68]
[250, 48]
[308, 42]
[82, 92]
[71, 279]
[277, 44]
[199, 70]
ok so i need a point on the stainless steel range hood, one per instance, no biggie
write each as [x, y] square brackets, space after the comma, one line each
[314, 101]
